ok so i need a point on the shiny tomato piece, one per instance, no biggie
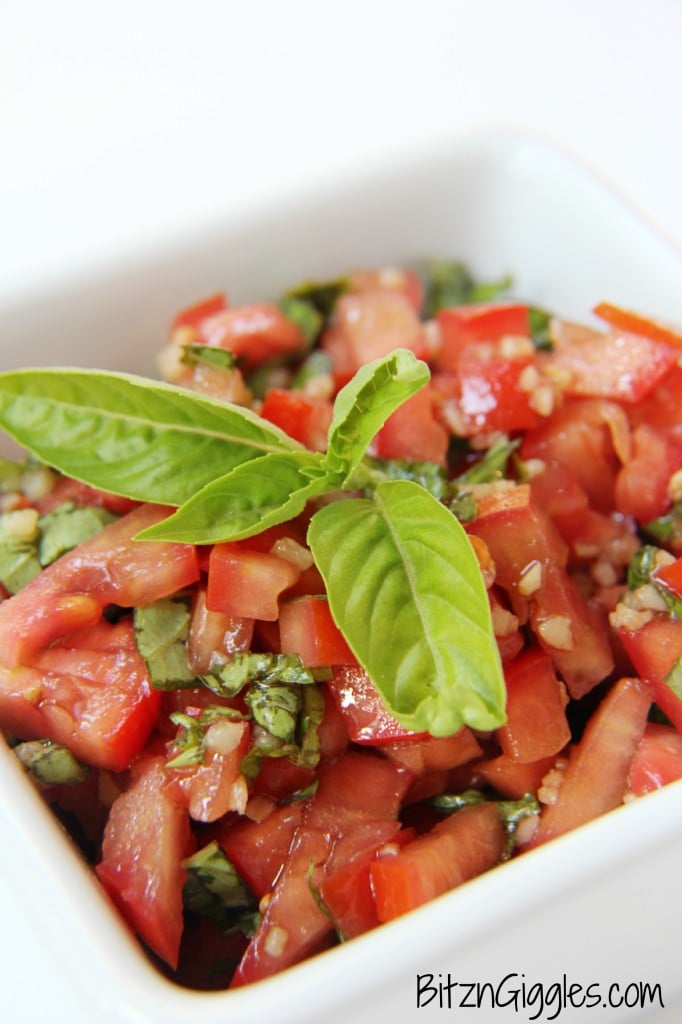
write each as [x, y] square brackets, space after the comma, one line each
[90, 692]
[368, 326]
[434, 753]
[522, 540]
[247, 583]
[671, 577]
[590, 439]
[109, 568]
[413, 431]
[661, 408]
[145, 840]
[367, 719]
[463, 845]
[654, 649]
[255, 333]
[618, 365]
[485, 395]
[215, 634]
[536, 725]
[215, 786]
[194, 315]
[353, 812]
[348, 896]
[512, 778]
[642, 485]
[259, 849]
[306, 628]
[635, 323]
[306, 418]
[280, 778]
[596, 778]
[462, 326]
[657, 760]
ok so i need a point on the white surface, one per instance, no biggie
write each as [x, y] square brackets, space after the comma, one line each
[130, 125]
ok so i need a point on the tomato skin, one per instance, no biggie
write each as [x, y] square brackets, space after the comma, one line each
[306, 628]
[462, 326]
[90, 692]
[247, 583]
[109, 568]
[618, 365]
[485, 395]
[642, 484]
[536, 725]
[254, 333]
[258, 849]
[653, 650]
[413, 431]
[658, 759]
[305, 418]
[367, 719]
[596, 778]
[463, 845]
[145, 840]
[512, 778]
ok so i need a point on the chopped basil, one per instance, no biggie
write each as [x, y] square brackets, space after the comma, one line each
[210, 355]
[191, 737]
[493, 465]
[666, 529]
[305, 315]
[511, 811]
[214, 889]
[642, 571]
[19, 561]
[674, 678]
[451, 283]
[67, 527]
[321, 295]
[50, 762]
[161, 631]
[540, 321]
[302, 746]
[249, 667]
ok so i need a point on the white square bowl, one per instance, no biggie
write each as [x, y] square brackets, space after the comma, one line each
[596, 906]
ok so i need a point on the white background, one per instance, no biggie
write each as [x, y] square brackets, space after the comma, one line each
[125, 121]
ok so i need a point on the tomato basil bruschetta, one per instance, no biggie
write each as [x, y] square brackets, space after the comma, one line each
[380, 587]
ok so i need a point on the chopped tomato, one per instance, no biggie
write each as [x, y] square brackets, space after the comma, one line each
[654, 650]
[306, 628]
[109, 568]
[370, 325]
[671, 577]
[413, 431]
[536, 725]
[596, 778]
[657, 760]
[389, 279]
[512, 778]
[462, 326]
[485, 395]
[215, 786]
[68, 489]
[213, 635]
[259, 849]
[194, 315]
[304, 417]
[145, 840]
[90, 692]
[455, 850]
[367, 719]
[434, 753]
[255, 333]
[643, 484]
[247, 583]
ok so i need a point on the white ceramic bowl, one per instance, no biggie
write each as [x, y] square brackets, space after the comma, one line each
[598, 906]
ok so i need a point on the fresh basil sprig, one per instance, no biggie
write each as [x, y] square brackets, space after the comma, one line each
[403, 582]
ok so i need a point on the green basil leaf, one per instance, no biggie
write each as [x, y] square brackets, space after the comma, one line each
[50, 762]
[127, 435]
[365, 403]
[252, 497]
[405, 588]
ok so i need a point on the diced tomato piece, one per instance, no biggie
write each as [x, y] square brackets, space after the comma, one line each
[654, 649]
[462, 326]
[280, 778]
[413, 432]
[247, 583]
[348, 896]
[259, 849]
[306, 628]
[671, 577]
[215, 786]
[457, 849]
[91, 693]
[590, 438]
[657, 760]
[254, 333]
[558, 493]
[642, 486]
[635, 323]
[109, 568]
[536, 725]
[522, 540]
[486, 395]
[367, 719]
[353, 812]
[194, 315]
[434, 753]
[145, 840]
[332, 731]
[618, 365]
[214, 634]
[389, 279]
[512, 778]
[661, 408]
[369, 326]
[306, 418]
[596, 778]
